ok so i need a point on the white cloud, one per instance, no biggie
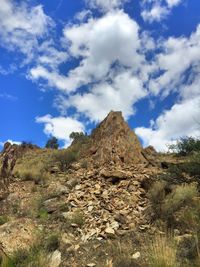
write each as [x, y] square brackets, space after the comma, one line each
[172, 3]
[105, 5]
[119, 43]
[21, 27]
[119, 95]
[178, 55]
[10, 141]
[53, 77]
[180, 120]
[113, 66]
[156, 13]
[60, 127]
[49, 56]
[157, 10]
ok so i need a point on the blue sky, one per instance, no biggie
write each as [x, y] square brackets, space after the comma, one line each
[65, 64]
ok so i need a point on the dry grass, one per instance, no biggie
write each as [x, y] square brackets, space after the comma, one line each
[162, 252]
[34, 165]
[181, 196]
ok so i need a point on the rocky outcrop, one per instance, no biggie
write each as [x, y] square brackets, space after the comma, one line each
[150, 154]
[113, 142]
[9, 158]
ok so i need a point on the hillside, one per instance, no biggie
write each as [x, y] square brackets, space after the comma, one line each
[104, 201]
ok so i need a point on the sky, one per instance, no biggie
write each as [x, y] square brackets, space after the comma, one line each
[65, 64]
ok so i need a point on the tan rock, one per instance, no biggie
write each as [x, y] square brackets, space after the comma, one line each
[55, 259]
[113, 141]
[18, 234]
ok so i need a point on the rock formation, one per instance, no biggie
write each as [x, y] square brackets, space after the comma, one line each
[113, 142]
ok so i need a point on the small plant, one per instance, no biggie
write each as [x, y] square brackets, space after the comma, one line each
[78, 218]
[38, 176]
[43, 214]
[3, 219]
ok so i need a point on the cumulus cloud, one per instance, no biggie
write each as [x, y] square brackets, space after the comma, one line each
[53, 78]
[121, 94]
[21, 26]
[113, 66]
[180, 120]
[179, 58]
[60, 127]
[105, 5]
[156, 13]
[157, 10]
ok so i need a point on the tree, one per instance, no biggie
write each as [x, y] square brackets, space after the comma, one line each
[79, 137]
[52, 143]
[186, 145]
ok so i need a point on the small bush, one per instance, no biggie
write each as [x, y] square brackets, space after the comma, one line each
[162, 252]
[52, 243]
[38, 176]
[189, 217]
[156, 195]
[181, 196]
[65, 158]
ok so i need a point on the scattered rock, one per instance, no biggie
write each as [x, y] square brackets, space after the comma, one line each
[55, 259]
[136, 255]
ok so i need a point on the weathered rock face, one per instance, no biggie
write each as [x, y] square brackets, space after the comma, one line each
[9, 157]
[114, 142]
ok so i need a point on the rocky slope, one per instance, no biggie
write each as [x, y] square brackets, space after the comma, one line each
[83, 205]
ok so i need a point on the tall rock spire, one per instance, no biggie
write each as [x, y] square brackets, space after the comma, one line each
[114, 141]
